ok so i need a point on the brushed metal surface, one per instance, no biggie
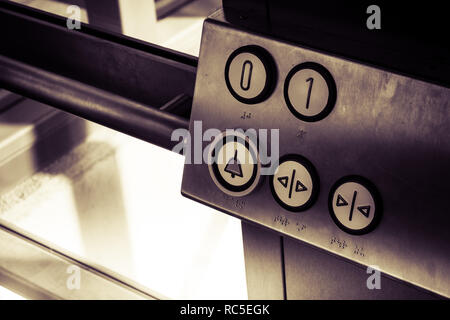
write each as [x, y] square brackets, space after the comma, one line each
[263, 263]
[315, 274]
[393, 130]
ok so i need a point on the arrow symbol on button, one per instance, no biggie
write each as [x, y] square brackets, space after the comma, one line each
[340, 202]
[284, 181]
[300, 187]
[365, 210]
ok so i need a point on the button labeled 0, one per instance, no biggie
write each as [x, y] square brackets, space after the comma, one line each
[250, 74]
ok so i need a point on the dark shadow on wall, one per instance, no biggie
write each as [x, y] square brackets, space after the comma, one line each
[94, 174]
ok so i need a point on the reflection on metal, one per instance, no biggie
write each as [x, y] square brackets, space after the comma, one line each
[38, 271]
[315, 274]
[279, 267]
[263, 263]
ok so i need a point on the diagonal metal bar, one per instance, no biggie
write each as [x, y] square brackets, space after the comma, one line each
[116, 112]
[107, 78]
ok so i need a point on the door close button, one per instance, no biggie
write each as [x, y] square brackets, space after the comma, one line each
[234, 164]
[355, 205]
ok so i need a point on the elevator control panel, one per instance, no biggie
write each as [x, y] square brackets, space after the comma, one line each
[347, 157]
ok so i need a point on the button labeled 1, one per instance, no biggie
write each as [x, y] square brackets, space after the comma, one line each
[295, 183]
[234, 164]
[250, 74]
[310, 91]
[355, 205]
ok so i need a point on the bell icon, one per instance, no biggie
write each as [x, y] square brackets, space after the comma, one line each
[233, 167]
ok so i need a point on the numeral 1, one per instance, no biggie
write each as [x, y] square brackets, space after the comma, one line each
[310, 80]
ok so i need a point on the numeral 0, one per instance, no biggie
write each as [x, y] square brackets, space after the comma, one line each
[246, 66]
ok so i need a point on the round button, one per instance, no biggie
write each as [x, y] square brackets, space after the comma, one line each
[250, 74]
[354, 204]
[234, 164]
[295, 184]
[310, 91]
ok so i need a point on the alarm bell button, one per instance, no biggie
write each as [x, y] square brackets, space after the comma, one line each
[234, 164]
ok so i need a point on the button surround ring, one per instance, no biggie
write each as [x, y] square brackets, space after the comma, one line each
[374, 194]
[270, 68]
[332, 91]
[214, 171]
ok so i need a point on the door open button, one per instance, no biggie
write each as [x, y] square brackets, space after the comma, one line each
[295, 183]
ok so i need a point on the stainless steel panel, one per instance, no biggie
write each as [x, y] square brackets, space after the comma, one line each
[316, 274]
[263, 263]
[391, 129]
